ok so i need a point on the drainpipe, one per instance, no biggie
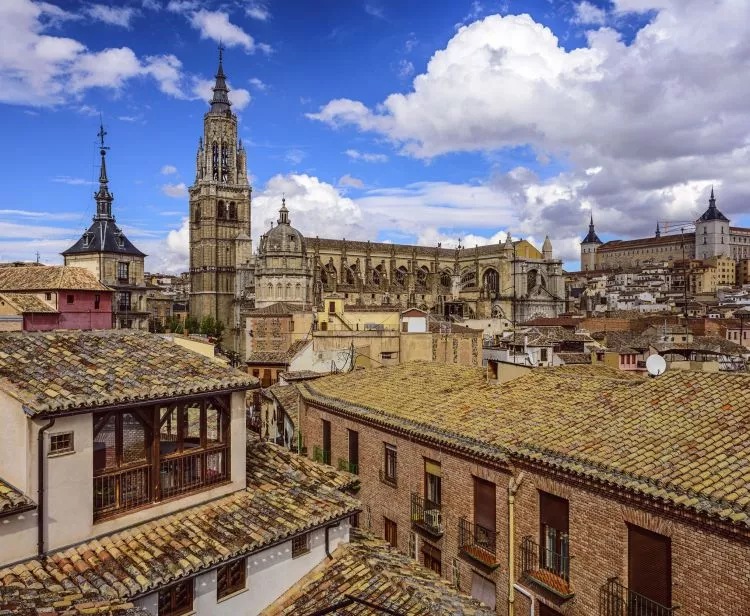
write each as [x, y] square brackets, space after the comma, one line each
[328, 546]
[526, 593]
[40, 480]
[513, 486]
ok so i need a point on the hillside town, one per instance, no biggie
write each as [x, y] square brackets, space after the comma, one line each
[315, 425]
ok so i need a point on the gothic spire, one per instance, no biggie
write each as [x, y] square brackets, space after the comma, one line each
[592, 237]
[658, 230]
[103, 197]
[220, 101]
[712, 213]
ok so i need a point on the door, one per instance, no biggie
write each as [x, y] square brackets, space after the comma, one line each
[649, 570]
[353, 451]
[484, 514]
[326, 441]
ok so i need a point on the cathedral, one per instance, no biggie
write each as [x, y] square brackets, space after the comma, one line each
[710, 236]
[511, 279]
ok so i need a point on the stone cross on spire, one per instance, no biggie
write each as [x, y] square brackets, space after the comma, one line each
[103, 197]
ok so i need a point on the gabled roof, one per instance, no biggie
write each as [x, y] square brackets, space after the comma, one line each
[67, 370]
[103, 236]
[12, 500]
[278, 357]
[647, 436]
[49, 278]
[282, 499]
[368, 568]
[27, 303]
[21, 601]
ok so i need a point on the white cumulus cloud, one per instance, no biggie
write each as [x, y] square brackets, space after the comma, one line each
[168, 170]
[177, 191]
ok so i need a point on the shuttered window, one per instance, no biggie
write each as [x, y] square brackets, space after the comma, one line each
[650, 565]
[432, 558]
[327, 438]
[483, 590]
[353, 450]
[432, 482]
[390, 532]
[553, 512]
[553, 523]
[484, 504]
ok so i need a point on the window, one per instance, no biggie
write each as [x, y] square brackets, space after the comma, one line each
[232, 211]
[390, 530]
[331, 307]
[483, 590]
[71, 298]
[230, 578]
[553, 518]
[300, 545]
[484, 505]
[60, 443]
[432, 482]
[650, 565]
[123, 270]
[291, 326]
[326, 442]
[176, 600]
[390, 463]
[405, 326]
[432, 558]
[221, 212]
[353, 451]
[48, 297]
[544, 354]
[184, 447]
[256, 373]
[97, 301]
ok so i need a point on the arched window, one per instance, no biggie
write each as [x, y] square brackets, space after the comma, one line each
[491, 280]
[279, 291]
[221, 212]
[197, 215]
[298, 291]
[215, 161]
[269, 295]
[401, 274]
[446, 279]
[351, 275]
[288, 291]
[224, 163]
[422, 273]
[232, 211]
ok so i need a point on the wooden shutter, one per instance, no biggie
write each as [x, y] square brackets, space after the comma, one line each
[327, 436]
[484, 503]
[433, 468]
[353, 447]
[553, 512]
[650, 565]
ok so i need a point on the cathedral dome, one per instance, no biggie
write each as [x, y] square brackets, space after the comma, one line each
[284, 238]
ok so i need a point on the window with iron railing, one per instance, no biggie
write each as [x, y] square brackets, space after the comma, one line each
[149, 454]
[618, 600]
[545, 567]
[427, 515]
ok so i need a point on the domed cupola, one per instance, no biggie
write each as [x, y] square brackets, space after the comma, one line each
[284, 238]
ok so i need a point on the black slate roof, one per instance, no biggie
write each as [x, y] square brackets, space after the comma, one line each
[104, 236]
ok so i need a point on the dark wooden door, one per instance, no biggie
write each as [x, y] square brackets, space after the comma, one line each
[484, 504]
[354, 447]
[327, 437]
[649, 566]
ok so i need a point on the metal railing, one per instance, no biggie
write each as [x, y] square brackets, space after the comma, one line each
[254, 422]
[121, 491]
[478, 542]
[618, 600]
[427, 515]
[390, 480]
[188, 472]
[546, 566]
[349, 467]
[321, 455]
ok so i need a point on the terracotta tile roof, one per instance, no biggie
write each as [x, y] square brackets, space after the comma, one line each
[65, 370]
[27, 303]
[283, 497]
[277, 357]
[13, 500]
[49, 277]
[288, 398]
[681, 437]
[300, 375]
[575, 358]
[20, 601]
[368, 568]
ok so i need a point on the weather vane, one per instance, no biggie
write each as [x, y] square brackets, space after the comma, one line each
[102, 133]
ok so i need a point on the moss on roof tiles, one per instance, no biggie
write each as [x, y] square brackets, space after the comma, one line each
[65, 370]
[674, 433]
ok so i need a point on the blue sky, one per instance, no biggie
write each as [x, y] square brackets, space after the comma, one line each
[379, 119]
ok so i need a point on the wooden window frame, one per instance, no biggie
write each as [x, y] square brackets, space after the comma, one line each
[57, 445]
[390, 452]
[300, 545]
[174, 608]
[390, 532]
[231, 579]
[437, 489]
[432, 558]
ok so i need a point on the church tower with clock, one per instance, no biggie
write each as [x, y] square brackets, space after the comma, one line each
[220, 245]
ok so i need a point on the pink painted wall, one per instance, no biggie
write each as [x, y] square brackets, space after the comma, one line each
[81, 314]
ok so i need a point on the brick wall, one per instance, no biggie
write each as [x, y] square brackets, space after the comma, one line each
[710, 570]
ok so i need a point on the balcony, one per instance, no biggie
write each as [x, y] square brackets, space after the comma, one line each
[427, 516]
[349, 467]
[321, 455]
[121, 491]
[192, 471]
[478, 543]
[546, 568]
[618, 600]
[389, 480]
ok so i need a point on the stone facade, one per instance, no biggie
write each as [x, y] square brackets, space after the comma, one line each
[713, 237]
[220, 244]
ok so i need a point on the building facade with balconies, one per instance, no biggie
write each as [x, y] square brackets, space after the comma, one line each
[577, 490]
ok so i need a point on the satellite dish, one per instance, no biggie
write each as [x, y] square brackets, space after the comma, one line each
[656, 365]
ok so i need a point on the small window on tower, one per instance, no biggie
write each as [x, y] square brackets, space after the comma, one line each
[232, 210]
[221, 212]
[197, 217]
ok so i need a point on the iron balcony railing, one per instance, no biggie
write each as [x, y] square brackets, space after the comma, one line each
[546, 566]
[618, 600]
[427, 515]
[478, 542]
[349, 467]
[321, 455]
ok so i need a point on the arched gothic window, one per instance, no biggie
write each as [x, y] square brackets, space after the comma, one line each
[232, 210]
[224, 163]
[446, 279]
[197, 216]
[215, 160]
[221, 212]
[491, 281]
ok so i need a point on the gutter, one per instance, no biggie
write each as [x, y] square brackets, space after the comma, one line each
[527, 594]
[513, 485]
[40, 485]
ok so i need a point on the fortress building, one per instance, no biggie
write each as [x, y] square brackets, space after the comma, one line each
[713, 237]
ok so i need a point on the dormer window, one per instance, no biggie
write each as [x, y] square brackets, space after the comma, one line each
[86, 239]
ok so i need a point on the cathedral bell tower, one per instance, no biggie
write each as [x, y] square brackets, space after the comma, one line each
[219, 216]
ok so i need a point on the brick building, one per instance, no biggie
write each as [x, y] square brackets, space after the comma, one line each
[43, 298]
[584, 489]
